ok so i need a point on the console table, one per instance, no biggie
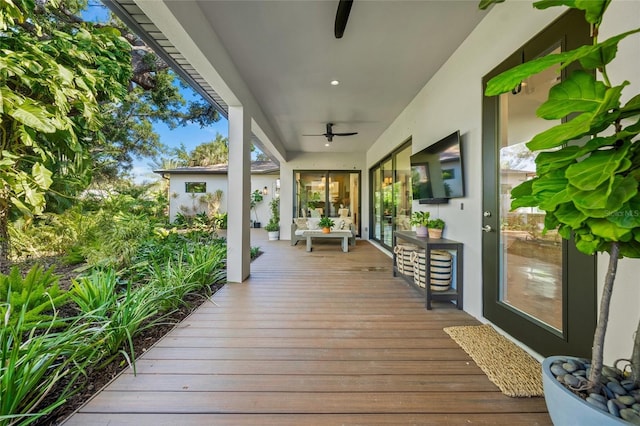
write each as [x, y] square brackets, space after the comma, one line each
[429, 244]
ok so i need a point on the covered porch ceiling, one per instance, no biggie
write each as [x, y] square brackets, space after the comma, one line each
[278, 58]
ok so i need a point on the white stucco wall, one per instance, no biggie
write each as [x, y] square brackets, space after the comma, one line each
[178, 197]
[452, 100]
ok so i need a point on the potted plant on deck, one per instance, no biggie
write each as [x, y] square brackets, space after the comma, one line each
[435, 228]
[589, 192]
[273, 227]
[256, 198]
[420, 220]
[326, 223]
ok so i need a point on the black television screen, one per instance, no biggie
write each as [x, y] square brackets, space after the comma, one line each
[437, 172]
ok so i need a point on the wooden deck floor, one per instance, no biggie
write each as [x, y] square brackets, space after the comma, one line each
[316, 338]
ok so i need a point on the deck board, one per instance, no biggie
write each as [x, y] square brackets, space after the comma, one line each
[315, 338]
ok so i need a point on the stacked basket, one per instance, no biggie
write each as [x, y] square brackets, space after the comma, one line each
[404, 261]
[439, 269]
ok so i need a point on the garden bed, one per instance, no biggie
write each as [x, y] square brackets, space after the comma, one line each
[87, 386]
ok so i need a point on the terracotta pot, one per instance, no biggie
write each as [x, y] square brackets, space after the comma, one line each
[435, 233]
[326, 230]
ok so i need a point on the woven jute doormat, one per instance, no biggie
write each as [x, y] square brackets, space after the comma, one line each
[513, 370]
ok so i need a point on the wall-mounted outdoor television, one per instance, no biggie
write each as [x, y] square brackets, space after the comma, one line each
[437, 172]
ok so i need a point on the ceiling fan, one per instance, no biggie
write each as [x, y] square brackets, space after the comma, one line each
[330, 134]
[342, 15]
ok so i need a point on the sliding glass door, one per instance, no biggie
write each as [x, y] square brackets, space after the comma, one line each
[391, 196]
[331, 193]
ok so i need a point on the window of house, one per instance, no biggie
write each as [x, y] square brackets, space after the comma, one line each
[195, 187]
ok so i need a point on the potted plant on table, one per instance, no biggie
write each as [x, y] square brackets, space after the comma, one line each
[273, 227]
[589, 192]
[326, 223]
[420, 220]
[435, 228]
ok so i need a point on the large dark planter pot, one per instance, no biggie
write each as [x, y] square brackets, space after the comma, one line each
[566, 408]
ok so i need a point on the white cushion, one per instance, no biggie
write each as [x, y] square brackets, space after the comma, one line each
[312, 223]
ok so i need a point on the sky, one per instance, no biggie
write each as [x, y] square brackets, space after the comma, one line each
[190, 135]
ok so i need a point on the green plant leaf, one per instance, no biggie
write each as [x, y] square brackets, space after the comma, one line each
[630, 249]
[484, 4]
[32, 115]
[631, 108]
[594, 9]
[629, 215]
[548, 161]
[41, 175]
[569, 215]
[560, 134]
[510, 79]
[608, 230]
[580, 92]
[587, 245]
[551, 203]
[608, 197]
[525, 188]
[549, 184]
[599, 167]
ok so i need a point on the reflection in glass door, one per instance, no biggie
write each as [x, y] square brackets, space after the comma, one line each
[376, 220]
[391, 195]
[531, 278]
[387, 202]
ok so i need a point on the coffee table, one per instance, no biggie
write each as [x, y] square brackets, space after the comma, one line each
[344, 234]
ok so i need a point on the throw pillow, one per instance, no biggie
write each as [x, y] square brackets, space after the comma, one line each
[312, 223]
[301, 223]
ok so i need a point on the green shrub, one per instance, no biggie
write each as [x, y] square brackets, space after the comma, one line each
[97, 293]
[32, 366]
[37, 294]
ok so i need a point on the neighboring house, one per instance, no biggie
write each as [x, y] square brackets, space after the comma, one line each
[191, 187]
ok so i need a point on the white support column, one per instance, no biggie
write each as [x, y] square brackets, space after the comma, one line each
[238, 193]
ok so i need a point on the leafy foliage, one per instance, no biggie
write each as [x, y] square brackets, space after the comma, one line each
[274, 220]
[31, 299]
[32, 365]
[52, 89]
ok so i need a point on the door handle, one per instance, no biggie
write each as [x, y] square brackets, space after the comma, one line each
[487, 228]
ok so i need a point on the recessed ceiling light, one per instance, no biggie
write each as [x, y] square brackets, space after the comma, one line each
[327, 144]
[334, 82]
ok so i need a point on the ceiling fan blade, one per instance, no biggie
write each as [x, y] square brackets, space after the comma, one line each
[342, 15]
[345, 134]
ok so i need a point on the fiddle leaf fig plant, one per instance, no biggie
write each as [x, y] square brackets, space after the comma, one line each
[588, 170]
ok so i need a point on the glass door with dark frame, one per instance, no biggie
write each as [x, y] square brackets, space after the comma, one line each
[327, 193]
[536, 286]
[391, 196]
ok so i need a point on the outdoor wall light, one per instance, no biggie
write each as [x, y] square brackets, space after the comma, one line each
[265, 191]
